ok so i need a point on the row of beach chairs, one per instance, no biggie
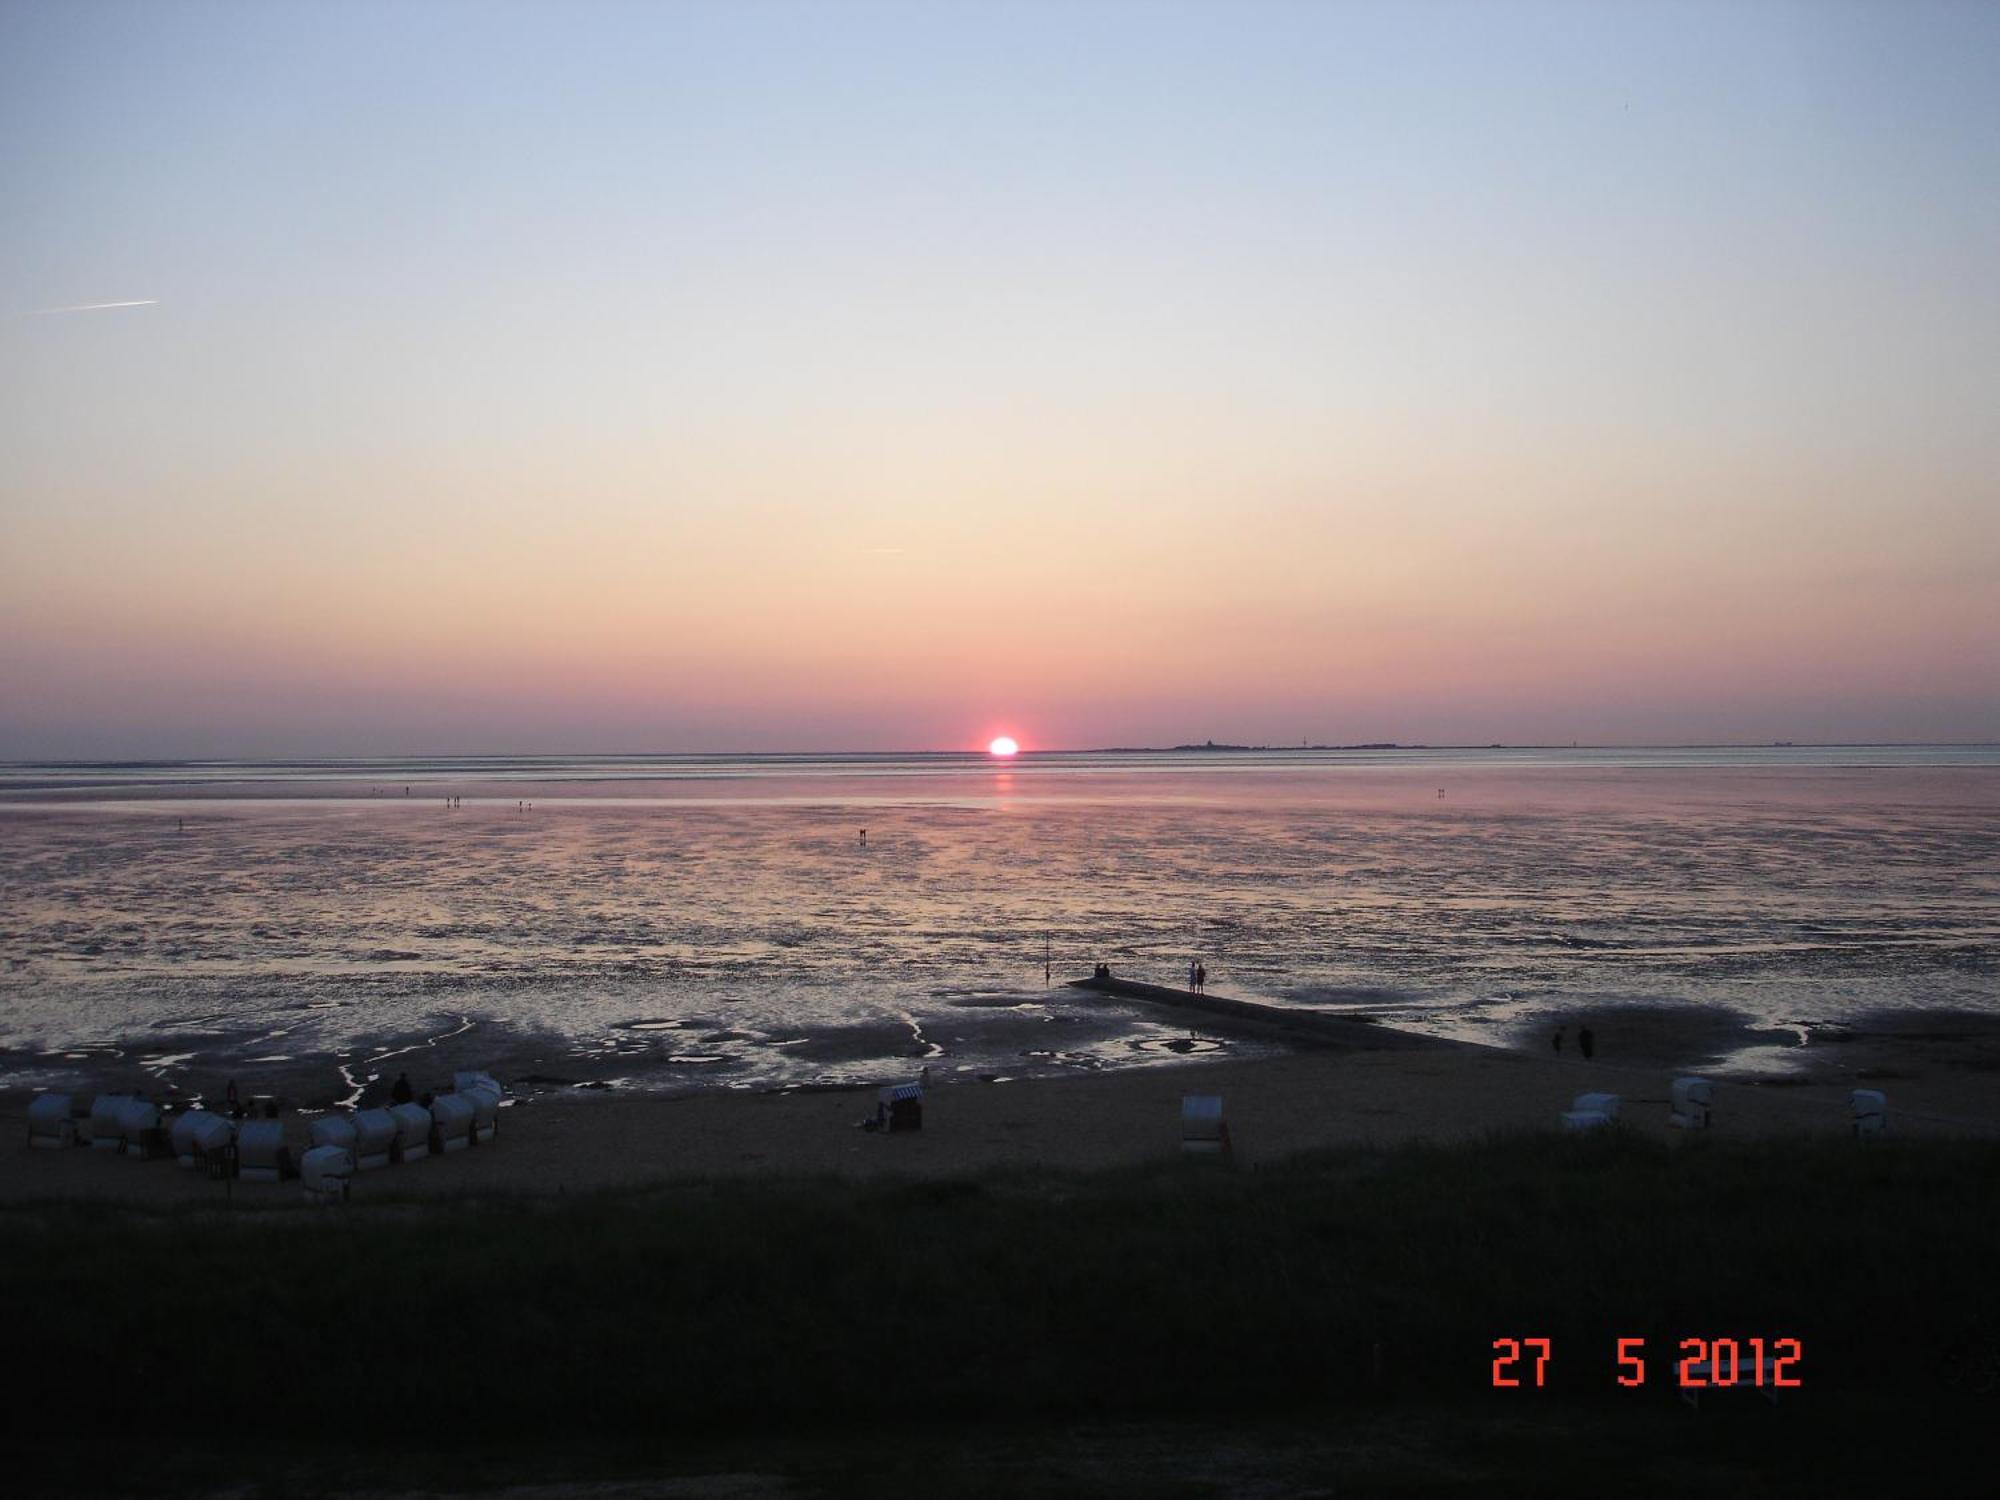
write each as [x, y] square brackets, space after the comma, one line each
[368, 1139]
[1204, 1131]
[364, 1140]
[255, 1150]
[1693, 1098]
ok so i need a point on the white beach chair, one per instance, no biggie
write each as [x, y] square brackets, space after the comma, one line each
[374, 1139]
[1691, 1101]
[1599, 1104]
[451, 1122]
[1870, 1108]
[483, 1092]
[105, 1132]
[50, 1123]
[180, 1136]
[1204, 1132]
[485, 1101]
[413, 1132]
[138, 1122]
[324, 1171]
[201, 1138]
[260, 1150]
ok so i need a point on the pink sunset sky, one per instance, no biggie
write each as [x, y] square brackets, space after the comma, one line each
[576, 378]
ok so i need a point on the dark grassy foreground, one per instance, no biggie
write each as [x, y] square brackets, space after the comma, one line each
[733, 1322]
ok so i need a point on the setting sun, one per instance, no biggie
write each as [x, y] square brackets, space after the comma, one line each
[1003, 747]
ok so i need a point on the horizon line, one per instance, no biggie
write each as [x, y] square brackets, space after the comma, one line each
[975, 752]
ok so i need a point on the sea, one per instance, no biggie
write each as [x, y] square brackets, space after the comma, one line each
[671, 923]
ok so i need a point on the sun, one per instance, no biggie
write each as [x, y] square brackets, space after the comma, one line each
[1003, 747]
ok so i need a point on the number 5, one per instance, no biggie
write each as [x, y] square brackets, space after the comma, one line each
[1629, 1351]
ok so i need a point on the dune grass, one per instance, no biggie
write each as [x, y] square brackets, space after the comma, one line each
[1356, 1277]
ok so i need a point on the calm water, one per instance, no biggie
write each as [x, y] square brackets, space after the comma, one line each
[657, 922]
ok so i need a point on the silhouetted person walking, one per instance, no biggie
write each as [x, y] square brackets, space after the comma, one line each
[1556, 1041]
[1585, 1042]
[1201, 979]
[400, 1092]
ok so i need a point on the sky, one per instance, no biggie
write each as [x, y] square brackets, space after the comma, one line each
[427, 378]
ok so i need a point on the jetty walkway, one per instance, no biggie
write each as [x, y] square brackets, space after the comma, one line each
[1325, 1026]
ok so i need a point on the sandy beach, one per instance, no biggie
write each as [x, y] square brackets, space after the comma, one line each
[1444, 1092]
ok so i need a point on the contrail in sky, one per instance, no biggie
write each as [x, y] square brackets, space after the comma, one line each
[42, 312]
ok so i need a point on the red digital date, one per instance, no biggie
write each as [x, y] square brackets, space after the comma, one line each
[1705, 1364]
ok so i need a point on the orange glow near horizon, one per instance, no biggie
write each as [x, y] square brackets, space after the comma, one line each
[1186, 416]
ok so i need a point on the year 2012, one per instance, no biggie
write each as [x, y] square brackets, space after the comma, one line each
[1704, 1364]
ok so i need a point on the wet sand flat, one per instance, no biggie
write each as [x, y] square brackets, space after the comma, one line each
[733, 928]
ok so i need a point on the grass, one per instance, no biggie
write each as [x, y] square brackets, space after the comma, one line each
[1369, 1281]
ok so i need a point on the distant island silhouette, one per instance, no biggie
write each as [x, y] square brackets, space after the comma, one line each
[1378, 745]
[1210, 746]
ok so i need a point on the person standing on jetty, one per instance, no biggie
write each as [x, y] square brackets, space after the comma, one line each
[1201, 979]
[1556, 1041]
[1586, 1042]
[1191, 973]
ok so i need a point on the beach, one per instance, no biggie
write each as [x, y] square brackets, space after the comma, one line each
[1326, 1097]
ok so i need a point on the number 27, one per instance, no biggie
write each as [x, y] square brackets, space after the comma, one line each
[1508, 1352]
